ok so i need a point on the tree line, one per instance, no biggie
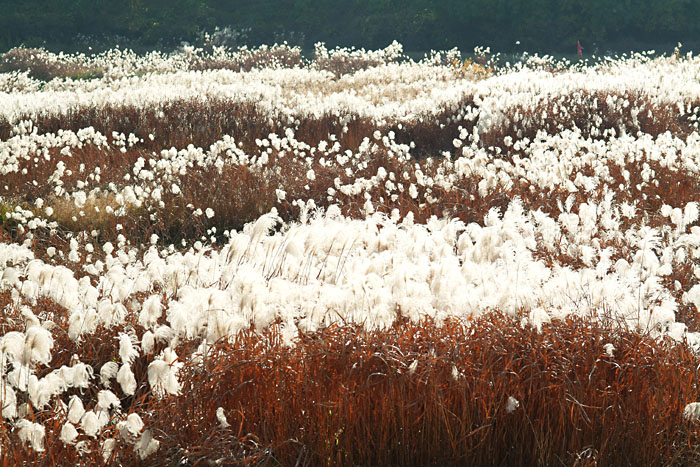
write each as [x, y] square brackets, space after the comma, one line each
[505, 25]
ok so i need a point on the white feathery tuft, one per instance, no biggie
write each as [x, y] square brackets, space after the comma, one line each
[130, 428]
[162, 378]
[146, 445]
[107, 448]
[127, 351]
[68, 433]
[76, 410]
[8, 400]
[107, 400]
[512, 404]
[37, 345]
[151, 311]
[148, 341]
[126, 379]
[32, 433]
[107, 372]
[691, 411]
[221, 417]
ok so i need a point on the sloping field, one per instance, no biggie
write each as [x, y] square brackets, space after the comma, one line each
[249, 257]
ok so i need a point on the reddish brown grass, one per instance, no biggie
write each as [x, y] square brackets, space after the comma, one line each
[593, 114]
[347, 396]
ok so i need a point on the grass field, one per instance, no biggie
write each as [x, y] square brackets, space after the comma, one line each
[360, 258]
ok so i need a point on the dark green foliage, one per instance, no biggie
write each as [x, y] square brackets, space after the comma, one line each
[539, 25]
[59, 21]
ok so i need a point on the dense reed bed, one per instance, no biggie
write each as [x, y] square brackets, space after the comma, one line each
[249, 257]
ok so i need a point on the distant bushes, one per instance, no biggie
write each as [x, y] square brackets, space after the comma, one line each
[418, 24]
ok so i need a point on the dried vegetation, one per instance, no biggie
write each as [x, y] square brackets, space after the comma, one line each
[502, 387]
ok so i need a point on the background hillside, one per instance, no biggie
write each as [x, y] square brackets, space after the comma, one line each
[550, 26]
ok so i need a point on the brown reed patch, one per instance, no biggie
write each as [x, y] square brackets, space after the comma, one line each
[419, 394]
[597, 115]
[44, 66]
[202, 122]
[413, 394]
